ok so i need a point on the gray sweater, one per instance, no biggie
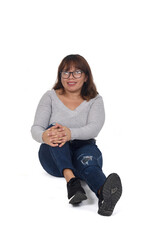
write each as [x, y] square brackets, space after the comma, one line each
[85, 122]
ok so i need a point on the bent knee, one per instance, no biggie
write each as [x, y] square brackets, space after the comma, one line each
[85, 160]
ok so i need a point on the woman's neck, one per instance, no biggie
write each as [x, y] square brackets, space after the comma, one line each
[72, 95]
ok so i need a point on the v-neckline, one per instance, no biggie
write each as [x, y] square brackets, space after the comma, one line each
[74, 110]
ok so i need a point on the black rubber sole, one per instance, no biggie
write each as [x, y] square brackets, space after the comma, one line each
[78, 198]
[112, 191]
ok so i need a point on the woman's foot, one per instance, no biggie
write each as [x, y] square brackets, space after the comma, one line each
[109, 195]
[76, 193]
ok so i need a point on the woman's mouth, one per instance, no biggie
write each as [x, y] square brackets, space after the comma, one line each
[71, 83]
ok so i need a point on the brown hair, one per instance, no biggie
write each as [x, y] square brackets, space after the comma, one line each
[89, 90]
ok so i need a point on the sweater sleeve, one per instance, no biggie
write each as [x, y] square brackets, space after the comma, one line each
[42, 117]
[96, 118]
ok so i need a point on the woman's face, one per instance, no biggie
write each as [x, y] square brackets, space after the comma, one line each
[73, 84]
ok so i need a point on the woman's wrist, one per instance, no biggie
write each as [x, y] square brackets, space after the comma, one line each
[68, 134]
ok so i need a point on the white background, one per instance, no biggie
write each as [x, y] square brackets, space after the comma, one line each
[121, 42]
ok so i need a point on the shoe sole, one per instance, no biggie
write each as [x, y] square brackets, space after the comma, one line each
[78, 198]
[112, 191]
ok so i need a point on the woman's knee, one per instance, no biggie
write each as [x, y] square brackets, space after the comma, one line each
[89, 157]
[47, 162]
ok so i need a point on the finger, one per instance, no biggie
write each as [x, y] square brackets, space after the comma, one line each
[61, 135]
[51, 133]
[57, 140]
[61, 145]
[63, 141]
[60, 129]
[58, 137]
[58, 125]
[54, 140]
[55, 131]
[53, 144]
[53, 127]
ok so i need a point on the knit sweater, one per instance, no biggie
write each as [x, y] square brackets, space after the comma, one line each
[84, 122]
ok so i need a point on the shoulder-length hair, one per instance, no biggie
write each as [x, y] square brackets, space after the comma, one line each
[88, 90]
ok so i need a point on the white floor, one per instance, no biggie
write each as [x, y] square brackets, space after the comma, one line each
[34, 205]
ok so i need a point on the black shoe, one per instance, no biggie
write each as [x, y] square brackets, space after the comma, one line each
[76, 193]
[109, 195]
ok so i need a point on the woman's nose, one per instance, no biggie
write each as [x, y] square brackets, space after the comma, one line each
[71, 76]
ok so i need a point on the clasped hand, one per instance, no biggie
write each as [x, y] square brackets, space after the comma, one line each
[57, 135]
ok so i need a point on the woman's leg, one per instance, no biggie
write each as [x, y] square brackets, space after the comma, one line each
[56, 161]
[88, 163]
[87, 160]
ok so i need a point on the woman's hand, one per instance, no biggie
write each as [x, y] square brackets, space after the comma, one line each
[46, 136]
[67, 136]
[57, 135]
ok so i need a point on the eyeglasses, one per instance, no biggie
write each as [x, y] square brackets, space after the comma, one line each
[75, 74]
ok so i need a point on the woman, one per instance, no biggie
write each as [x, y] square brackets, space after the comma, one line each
[67, 120]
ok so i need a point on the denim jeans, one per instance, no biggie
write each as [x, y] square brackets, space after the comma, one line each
[81, 156]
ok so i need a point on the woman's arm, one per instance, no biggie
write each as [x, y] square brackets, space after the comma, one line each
[95, 121]
[42, 117]
[96, 118]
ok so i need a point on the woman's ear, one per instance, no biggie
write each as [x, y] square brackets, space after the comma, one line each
[86, 78]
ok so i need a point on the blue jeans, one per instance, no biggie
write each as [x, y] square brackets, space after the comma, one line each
[81, 156]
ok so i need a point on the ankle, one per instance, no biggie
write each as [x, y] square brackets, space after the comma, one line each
[68, 174]
[99, 191]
